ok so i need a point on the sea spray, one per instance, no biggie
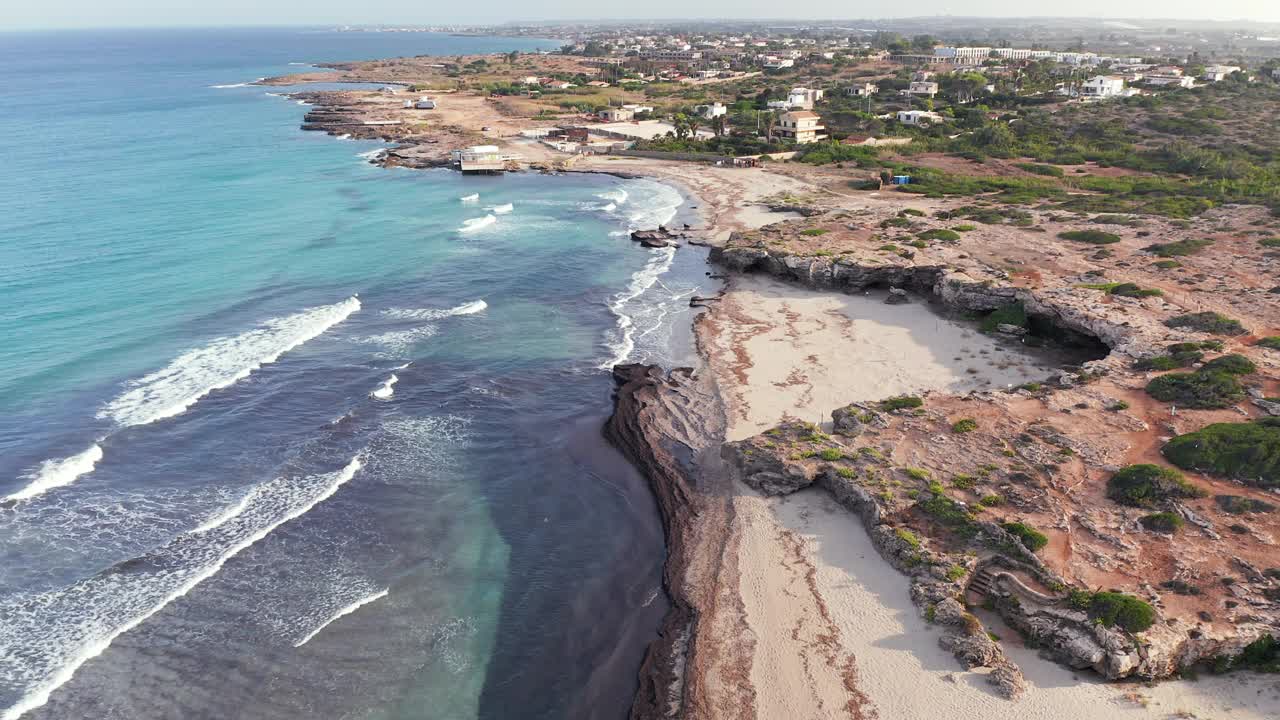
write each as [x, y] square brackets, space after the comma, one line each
[219, 364]
[46, 638]
[469, 308]
[56, 473]
[386, 389]
[477, 223]
[342, 613]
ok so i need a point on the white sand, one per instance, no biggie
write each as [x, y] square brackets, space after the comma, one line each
[835, 633]
[809, 353]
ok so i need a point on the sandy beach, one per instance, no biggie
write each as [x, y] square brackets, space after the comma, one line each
[833, 632]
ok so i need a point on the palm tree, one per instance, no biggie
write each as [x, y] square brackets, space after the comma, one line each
[770, 121]
[692, 123]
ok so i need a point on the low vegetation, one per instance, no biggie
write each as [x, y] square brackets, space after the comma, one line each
[1248, 451]
[1030, 537]
[1164, 522]
[1149, 486]
[901, 402]
[1200, 390]
[1093, 237]
[964, 425]
[1208, 322]
[1113, 609]
[1012, 314]
[1178, 248]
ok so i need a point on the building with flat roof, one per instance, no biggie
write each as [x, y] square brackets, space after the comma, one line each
[801, 126]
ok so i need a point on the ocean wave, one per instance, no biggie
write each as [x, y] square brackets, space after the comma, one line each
[387, 388]
[609, 208]
[227, 513]
[344, 136]
[617, 195]
[342, 613]
[502, 209]
[473, 197]
[56, 473]
[477, 223]
[656, 204]
[221, 363]
[46, 638]
[469, 308]
[623, 342]
[398, 343]
[236, 85]
[372, 154]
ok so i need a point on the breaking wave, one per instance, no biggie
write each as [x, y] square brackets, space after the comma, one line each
[46, 638]
[476, 223]
[387, 388]
[470, 308]
[221, 363]
[56, 473]
[502, 209]
[473, 197]
[624, 335]
[342, 613]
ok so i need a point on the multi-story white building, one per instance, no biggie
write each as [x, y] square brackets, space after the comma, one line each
[801, 126]
[1217, 73]
[1102, 86]
[863, 89]
[714, 110]
[925, 89]
[803, 98]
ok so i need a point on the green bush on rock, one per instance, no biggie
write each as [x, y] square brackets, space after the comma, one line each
[1030, 537]
[1248, 451]
[1200, 389]
[1093, 237]
[1165, 522]
[1209, 322]
[1149, 485]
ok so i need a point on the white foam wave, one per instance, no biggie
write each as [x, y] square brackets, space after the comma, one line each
[398, 343]
[617, 195]
[643, 279]
[470, 308]
[659, 205]
[237, 85]
[302, 102]
[227, 513]
[610, 207]
[502, 209]
[46, 638]
[342, 613]
[344, 136]
[372, 154]
[386, 389]
[221, 363]
[477, 223]
[56, 473]
[473, 197]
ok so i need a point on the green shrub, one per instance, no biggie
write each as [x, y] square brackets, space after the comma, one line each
[948, 512]
[813, 232]
[1031, 538]
[901, 402]
[1248, 451]
[1179, 248]
[1271, 342]
[1237, 505]
[1261, 655]
[1167, 264]
[1201, 390]
[991, 500]
[937, 234]
[955, 572]
[831, 455]
[964, 425]
[913, 212]
[916, 473]
[962, 481]
[1011, 314]
[1132, 290]
[908, 537]
[1149, 485]
[1270, 242]
[1209, 322]
[1121, 610]
[964, 228]
[1165, 522]
[1231, 365]
[1038, 169]
[1093, 237]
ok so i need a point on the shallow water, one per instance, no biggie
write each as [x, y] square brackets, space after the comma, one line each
[219, 503]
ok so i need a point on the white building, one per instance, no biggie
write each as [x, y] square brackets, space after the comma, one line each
[1217, 73]
[1102, 86]
[714, 110]
[919, 118]
[801, 126]
[803, 98]
[863, 89]
[928, 89]
[778, 63]
[617, 114]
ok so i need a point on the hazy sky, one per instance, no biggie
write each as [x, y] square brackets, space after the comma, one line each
[16, 14]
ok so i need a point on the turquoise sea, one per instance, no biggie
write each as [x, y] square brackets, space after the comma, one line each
[281, 435]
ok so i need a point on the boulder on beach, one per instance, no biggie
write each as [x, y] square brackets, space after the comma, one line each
[897, 296]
